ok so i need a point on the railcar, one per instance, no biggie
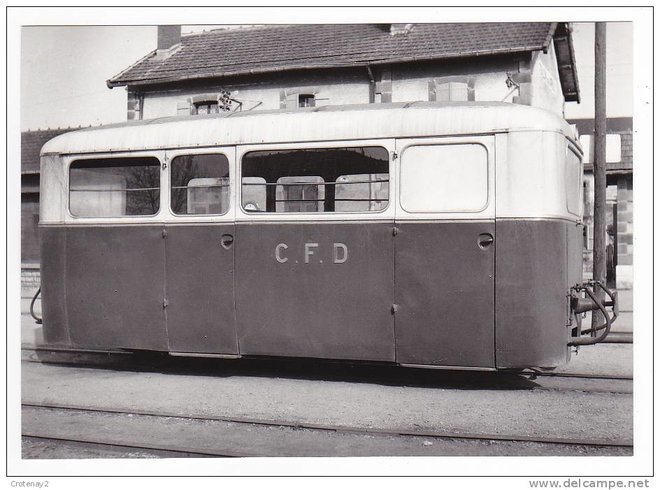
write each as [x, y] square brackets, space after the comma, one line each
[445, 235]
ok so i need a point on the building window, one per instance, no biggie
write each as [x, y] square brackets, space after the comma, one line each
[444, 178]
[199, 184]
[315, 180]
[113, 187]
[206, 107]
[453, 88]
[306, 100]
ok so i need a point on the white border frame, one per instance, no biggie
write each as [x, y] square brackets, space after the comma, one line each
[514, 470]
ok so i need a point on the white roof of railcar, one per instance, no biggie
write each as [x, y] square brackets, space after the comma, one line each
[327, 123]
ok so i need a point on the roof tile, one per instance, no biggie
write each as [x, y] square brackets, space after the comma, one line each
[225, 52]
[31, 143]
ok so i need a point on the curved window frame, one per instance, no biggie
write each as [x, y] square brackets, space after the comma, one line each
[570, 148]
[73, 160]
[446, 144]
[387, 145]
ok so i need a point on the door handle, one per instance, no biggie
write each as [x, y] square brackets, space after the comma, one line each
[485, 240]
[227, 241]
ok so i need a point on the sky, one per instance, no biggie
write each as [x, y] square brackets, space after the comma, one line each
[619, 74]
[64, 70]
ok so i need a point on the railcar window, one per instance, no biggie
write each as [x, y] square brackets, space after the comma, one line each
[444, 178]
[199, 184]
[113, 187]
[573, 183]
[315, 180]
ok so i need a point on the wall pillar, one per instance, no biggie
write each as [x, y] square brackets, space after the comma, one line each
[383, 90]
[624, 268]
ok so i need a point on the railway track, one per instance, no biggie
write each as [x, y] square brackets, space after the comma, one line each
[256, 407]
[146, 433]
[63, 448]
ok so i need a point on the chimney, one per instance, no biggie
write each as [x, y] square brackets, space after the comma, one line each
[400, 29]
[168, 36]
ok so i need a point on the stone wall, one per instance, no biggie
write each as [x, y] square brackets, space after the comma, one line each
[487, 79]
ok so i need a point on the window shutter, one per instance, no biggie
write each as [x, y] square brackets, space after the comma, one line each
[183, 108]
[291, 101]
[452, 89]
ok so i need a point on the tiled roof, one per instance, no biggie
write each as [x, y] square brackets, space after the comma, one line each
[227, 52]
[31, 143]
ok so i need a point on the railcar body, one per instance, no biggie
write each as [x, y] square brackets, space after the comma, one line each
[423, 234]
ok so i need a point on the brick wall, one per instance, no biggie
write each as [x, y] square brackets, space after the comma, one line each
[30, 280]
[29, 228]
[626, 147]
[624, 225]
[624, 236]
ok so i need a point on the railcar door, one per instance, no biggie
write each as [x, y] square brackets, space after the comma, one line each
[314, 251]
[113, 253]
[445, 252]
[199, 253]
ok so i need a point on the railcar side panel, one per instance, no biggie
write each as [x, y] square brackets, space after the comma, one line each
[200, 289]
[114, 286]
[53, 288]
[531, 291]
[440, 270]
[315, 289]
[444, 291]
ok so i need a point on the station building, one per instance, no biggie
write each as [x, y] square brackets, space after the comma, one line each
[272, 67]
[288, 66]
